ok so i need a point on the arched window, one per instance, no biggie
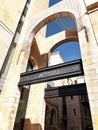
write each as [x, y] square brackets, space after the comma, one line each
[29, 67]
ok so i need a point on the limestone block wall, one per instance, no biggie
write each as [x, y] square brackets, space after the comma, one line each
[72, 121]
[89, 51]
[10, 12]
[6, 36]
[9, 18]
[37, 9]
[89, 2]
[94, 22]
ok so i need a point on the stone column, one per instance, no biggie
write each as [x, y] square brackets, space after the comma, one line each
[89, 52]
[35, 113]
[10, 94]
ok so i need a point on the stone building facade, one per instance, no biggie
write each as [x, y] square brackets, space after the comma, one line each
[23, 37]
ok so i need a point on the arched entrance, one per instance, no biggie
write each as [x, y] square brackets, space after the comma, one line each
[41, 57]
[30, 34]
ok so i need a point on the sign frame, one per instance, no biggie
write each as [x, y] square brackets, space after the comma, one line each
[55, 72]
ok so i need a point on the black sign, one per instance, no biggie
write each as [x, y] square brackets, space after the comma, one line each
[65, 70]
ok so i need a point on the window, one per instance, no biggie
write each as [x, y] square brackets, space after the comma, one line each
[85, 112]
[28, 1]
[75, 81]
[71, 97]
[74, 112]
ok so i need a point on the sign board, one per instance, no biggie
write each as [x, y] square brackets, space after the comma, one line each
[60, 71]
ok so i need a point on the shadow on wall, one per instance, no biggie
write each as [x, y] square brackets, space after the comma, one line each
[29, 126]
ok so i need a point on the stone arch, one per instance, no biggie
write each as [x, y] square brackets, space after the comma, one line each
[46, 17]
[58, 43]
[42, 22]
[36, 23]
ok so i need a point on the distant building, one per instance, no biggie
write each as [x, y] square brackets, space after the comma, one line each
[70, 112]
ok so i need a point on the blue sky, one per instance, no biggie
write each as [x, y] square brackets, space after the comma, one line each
[52, 2]
[70, 50]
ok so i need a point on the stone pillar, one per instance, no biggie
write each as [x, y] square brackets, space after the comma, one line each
[89, 52]
[35, 113]
[10, 94]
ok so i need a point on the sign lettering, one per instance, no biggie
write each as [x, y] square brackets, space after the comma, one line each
[60, 71]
